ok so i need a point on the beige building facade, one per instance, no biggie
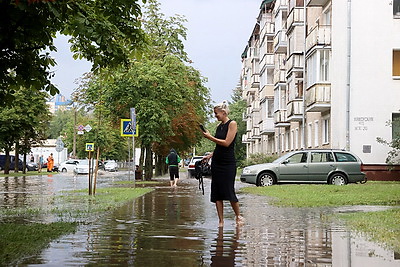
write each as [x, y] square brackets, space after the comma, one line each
[323, 74]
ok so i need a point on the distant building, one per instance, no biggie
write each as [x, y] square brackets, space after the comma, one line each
[322, 74]
[59, 102]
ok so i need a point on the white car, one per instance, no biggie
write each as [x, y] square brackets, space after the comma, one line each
[68, 165]
[82, 167]
[110, 165]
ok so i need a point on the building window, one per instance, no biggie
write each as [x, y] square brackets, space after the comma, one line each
[324, 66]
[296, 139]
[396, 63]
[270, 108]
[396, 9]
[325, 131]
[309, 134]
[316, 134]
[395, 126]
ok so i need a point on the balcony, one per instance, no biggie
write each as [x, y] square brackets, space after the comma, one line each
[280, 118]
[281, 4]
[267, 60]
[295, 110]
[255, 81]
[296, 17]
[320, 3]
[319, 36]
[268, 29]
[318, 98]
[245, 116]
[267, 126]
[245, 139]
[295, 63]
[280, 42]
[255, 133]
[279, 76]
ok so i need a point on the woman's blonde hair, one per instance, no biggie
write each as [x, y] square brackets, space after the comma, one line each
[223, 106]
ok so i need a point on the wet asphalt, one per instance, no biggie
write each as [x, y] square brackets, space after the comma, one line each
[179, 227]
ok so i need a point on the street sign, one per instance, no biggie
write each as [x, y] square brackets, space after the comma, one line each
[89, 147]
[81, 132]
[81, 127]
[88, 128]
[133, 117]
[126, 128]
[59, 145]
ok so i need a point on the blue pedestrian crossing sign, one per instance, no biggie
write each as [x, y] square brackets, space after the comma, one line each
[126, 128]
[89, 147]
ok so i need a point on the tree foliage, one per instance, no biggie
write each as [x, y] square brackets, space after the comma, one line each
[107, 33]
[25, 123]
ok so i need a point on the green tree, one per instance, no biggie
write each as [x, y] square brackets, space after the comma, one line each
[23, 124]
[107, 33]
[169, 95]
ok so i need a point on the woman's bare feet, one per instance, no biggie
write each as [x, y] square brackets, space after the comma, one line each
[239, 220]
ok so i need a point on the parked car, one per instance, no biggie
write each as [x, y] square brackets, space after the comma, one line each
[191, 166]
[31, 166]
[69, 165]
[82, 167]
[110, 165]
[12, 162]
[307, 166]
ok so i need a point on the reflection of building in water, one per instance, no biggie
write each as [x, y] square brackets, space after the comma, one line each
[350, 249]
[302, 237]
[23, 192]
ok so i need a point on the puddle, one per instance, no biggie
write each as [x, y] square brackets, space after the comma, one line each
[178, 227]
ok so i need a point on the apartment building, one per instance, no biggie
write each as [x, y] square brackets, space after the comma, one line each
[323, 74]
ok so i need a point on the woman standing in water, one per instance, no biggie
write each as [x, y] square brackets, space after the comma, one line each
[223, 165]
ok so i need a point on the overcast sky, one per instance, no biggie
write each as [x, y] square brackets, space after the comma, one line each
[218, 31]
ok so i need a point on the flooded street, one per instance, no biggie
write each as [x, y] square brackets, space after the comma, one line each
[179, 227]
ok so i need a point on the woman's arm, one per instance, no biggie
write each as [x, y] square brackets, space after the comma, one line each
[232, 130]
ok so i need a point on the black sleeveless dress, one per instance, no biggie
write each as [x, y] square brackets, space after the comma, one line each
[223, 168]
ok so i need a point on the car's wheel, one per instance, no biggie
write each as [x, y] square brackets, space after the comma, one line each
[266, 179]
[338, 179]
[63, 170]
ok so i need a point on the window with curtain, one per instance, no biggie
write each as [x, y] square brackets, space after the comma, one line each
[396, 9]
[396, 63]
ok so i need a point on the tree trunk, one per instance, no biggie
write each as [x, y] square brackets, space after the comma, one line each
[24, 164]
[7, 163]
[148, 163]
[16, 159]
[159, 169]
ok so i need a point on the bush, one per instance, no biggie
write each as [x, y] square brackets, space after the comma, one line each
[258, 158]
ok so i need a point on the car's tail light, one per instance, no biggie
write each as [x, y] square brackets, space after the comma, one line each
[191, 166]
[362, 167]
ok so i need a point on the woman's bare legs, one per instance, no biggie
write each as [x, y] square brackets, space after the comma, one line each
[235, 207]
[220, 210]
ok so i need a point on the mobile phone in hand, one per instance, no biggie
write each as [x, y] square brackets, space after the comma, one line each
[202, 128]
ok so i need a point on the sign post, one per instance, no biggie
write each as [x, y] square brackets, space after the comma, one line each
[59, 147]
[133, 122]
[90, 147]
[128, 130]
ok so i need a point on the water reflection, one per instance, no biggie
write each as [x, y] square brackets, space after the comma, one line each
[225, 247]
[178, 227]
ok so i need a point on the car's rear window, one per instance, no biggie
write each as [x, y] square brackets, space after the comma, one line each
[344, 157]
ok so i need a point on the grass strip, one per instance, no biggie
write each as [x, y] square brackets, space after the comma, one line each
[21, 240]
[380, 226]
[315, 195]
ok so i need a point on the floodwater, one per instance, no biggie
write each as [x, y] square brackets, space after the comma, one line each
[179, 227]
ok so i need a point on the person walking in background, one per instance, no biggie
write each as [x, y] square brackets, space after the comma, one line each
[40, 163]
[173, 160]
[50, 163]
[223, 165]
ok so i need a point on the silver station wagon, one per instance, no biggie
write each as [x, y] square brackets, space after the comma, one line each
[307, 166]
